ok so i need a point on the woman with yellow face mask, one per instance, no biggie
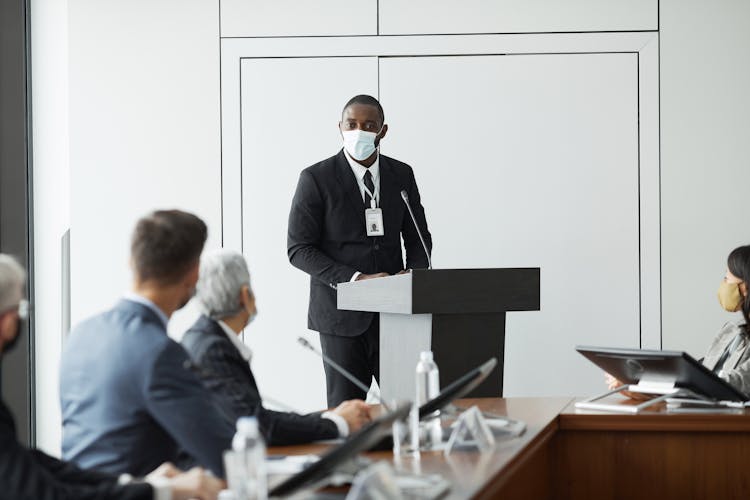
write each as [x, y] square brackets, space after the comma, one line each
[729, 353]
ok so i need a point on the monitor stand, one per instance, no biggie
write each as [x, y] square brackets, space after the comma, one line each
[661, 389]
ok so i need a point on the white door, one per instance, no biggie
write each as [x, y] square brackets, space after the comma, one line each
[531, 161]
[289, 121]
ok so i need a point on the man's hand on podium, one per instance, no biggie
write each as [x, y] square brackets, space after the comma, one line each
[371, 276]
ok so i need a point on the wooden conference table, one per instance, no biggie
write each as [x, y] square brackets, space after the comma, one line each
[568, 453]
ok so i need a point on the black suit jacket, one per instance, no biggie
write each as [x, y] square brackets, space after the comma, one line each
[31, 475]
[226, 374]
[327, 237]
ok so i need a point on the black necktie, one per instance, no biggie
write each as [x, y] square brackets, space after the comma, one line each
[369, 185]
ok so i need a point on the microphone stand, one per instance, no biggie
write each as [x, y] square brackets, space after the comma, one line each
[405, 197]
[354, 380]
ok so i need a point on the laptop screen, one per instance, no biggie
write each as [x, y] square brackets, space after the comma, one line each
[333, 458]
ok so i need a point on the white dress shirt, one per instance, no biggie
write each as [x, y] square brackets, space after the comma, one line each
[360, 171]
[234, 338]
[161, 485]
[359, 174]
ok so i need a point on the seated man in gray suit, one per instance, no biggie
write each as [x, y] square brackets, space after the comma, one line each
[224, 294]
[129, 398]
[30, 474]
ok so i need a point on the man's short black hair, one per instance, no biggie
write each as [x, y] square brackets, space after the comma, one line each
[367, 100]
[166, 244]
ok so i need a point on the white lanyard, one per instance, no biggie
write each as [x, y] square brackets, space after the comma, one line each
[374, 198]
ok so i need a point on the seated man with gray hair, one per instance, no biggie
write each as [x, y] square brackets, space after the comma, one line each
[223, 293]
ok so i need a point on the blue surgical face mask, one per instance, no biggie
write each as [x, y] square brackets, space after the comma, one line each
[359, 144]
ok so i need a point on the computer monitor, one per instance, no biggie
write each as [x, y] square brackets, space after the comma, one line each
[337, 456]
[636, 366]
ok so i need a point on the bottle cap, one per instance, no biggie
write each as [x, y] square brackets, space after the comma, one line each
[226, 495]
[425, 356]
[247, 424]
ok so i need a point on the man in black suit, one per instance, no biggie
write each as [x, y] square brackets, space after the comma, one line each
[223, 361]
[334, 239]
[27, 474]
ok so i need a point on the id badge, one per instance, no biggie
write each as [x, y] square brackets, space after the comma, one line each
[374, 221]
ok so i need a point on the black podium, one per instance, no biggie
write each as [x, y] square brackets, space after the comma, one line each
[459, 314]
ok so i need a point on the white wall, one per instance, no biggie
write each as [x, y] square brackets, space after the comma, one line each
[517, 169]
[541, 166]
[143, 116]
[298, 18]
[276, 18]
[514, 16]
[49, 71]
[272, 99]
[705, 148]
[139, 95]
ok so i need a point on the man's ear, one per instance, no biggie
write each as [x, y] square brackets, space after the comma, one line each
[191, 278]
[384, 130]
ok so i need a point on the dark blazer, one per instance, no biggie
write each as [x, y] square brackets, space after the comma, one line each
[327, 237]
[130, 400]
[226, 373]
[31, 475]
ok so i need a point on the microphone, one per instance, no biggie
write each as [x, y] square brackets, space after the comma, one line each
[354, 380]
[405, 197]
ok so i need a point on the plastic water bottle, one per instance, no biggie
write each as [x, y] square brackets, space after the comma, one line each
[250, 449]
[428, 387]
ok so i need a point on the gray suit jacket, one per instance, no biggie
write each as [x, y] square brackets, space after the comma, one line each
[130, 399]
[736, 368]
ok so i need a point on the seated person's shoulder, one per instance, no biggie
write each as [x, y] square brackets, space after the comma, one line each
[730, 329]
[198, 342]
[726, 334]
[169, 364]
[116, 331]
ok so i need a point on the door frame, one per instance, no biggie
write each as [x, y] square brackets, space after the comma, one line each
[644, 44]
